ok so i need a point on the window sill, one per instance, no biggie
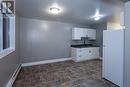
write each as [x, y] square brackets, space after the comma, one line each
[6, 52]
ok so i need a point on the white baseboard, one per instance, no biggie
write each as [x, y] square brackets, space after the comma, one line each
[46, 62]
[14, 76]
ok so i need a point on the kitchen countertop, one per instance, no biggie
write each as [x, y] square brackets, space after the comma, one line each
[84, 46]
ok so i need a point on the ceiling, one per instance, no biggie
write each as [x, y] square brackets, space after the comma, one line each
[74, 11]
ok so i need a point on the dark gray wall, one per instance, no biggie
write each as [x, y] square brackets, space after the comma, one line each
[9, 63]
[127, 46]
[100, 27]
[44, 40]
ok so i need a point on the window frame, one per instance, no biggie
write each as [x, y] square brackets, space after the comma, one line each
[5, 52]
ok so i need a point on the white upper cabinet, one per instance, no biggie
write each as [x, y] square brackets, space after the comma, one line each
[91, 33]
[77, 33]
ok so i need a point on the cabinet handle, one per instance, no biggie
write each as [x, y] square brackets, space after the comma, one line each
[80, 56]
[89, 51]
[80, 50]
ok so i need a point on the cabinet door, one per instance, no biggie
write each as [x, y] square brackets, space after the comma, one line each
[77, 33]
[82, 54]
[73, 52]
[91, 33]
[95, 52]
[90, 53]
[85, 33]
[79, 55]
[86, 54]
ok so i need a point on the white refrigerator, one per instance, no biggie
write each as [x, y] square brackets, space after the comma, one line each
[113, 54]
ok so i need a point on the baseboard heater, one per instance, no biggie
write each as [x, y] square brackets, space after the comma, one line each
[14, 76]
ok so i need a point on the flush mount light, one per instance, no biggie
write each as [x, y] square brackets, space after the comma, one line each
[97, 18]
[55, 10]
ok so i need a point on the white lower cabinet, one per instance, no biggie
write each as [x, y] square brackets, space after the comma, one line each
[82, 54]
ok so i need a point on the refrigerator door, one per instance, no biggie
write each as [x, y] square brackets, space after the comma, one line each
[113, 42]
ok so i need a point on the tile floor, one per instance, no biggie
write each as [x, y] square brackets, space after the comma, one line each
[63, 74]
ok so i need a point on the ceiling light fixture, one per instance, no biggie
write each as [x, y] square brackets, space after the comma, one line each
[97, 15]
[55, 10]
[97, 18]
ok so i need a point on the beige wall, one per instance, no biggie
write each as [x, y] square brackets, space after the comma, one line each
[44, 40]
[115, 21]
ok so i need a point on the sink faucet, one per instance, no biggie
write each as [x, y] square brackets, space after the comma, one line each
[84, 40]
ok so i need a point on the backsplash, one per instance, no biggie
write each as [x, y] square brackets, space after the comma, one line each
[78, 42]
